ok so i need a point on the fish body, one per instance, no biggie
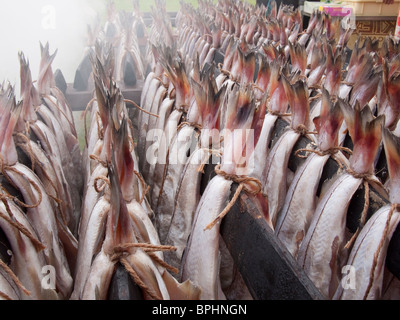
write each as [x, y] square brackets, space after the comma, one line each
[275, 173]
[320, 252]
[368, 256]
[185, 204]
[200, 260]
[44, 223]
[299, 205]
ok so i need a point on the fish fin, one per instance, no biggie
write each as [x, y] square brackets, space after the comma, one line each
[365, 89]
[328, 123]
[46, 77]
[180, 291]
[298, 57]
[333, 71]
[8, 149]
[367, 134]
[29, 94]
[297, 95]
[264, 72]
[248, 66]
[348, 113]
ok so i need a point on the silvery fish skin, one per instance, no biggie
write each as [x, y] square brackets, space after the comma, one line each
[144, 118]
[98, 281]
[320, 252]
[45, 224]
[90, 198]
[152, 121]
[148, 273]
[169, 134]
[165, 111]
[88, 243]
[50, 173]
[145, 227]
[26, 262]
[185, 204]
[362, 257]
[261, 152]
[200, 260]
[300, 202]
[74, 183]
[274, 174]
[65, 117]
[176, 162]
[8, 288]
[146, 85]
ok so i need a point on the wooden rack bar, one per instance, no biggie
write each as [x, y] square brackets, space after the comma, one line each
[78, 100]
[268, 269]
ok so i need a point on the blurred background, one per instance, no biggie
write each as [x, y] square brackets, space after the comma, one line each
[24, 24]
[62, 23]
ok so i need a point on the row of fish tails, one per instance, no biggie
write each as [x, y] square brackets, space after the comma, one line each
[116, 227]
[41, 183]
[341, 101]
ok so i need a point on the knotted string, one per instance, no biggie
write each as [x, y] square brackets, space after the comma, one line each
[331, 152]
[224, 72]
[394, 208]
[141, 109]
[4, 168]
[246, 184]
[120, 252]
[303, 130]
[145, 188]
[216, 152]
[367, 178]
[101, 188]
[276, 113]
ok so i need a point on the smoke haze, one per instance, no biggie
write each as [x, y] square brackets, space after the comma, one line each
[62, 23]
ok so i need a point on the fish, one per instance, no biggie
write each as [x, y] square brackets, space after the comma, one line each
[387, 95]
[194, 259]
[158, 137]
[176, 161]
[208, 100]
[322, 253]
[39, 209]
[9, 289]
[367, 257]
[89, 241]
[213, 201]
[65, 133]
[158, 100]
[274, 173]
[144, 117]
[28, 260]
[301, 199]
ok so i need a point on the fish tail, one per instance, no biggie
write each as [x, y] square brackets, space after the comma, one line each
[297, 95]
